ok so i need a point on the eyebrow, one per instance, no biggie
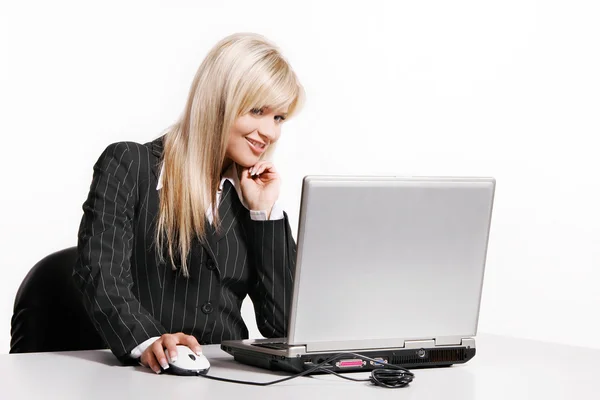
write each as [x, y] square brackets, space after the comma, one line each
[285, 114]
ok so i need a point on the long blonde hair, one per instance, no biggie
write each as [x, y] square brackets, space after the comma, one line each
[242, 72]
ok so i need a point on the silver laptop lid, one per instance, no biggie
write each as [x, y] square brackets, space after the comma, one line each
[384, 260]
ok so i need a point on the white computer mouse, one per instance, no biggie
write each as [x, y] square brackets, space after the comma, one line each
[187, 362]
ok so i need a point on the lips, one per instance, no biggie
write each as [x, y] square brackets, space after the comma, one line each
[256, 146]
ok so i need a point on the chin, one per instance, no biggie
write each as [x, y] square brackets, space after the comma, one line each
[246, 162]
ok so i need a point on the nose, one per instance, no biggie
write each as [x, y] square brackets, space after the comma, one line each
[268, 129]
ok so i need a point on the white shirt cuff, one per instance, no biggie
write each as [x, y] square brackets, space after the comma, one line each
[139, 350]
[276, 213]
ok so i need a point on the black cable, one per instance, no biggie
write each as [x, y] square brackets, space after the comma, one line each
[308, 371]
[383, 377]
[391, 379]
[388, 375]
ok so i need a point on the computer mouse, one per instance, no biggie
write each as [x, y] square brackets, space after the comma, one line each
[187, 362]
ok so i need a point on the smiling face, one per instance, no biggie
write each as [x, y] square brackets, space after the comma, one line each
[251, 135]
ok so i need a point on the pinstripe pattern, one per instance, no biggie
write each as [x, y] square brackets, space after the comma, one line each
[131, 297]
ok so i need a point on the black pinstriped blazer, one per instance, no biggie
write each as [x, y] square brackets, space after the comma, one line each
[130, 296]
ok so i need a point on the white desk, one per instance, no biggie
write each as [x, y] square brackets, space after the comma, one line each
[504, 368]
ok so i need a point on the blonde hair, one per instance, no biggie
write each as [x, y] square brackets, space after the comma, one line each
[242, 72]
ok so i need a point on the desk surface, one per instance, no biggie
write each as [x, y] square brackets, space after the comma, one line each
[504, 368]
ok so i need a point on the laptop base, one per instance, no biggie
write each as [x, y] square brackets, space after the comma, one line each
[407, 358]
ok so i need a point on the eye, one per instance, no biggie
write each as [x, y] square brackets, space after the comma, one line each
[257, 111]
[279, 118]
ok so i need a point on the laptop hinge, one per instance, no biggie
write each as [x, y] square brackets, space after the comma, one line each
[448, 341]
[419, 344]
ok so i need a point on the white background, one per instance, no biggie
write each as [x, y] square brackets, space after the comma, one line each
[509, 89]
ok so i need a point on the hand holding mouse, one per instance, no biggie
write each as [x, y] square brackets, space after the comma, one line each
[260, 186]
[154, 356]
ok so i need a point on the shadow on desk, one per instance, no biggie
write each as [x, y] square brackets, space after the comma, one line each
[229, 364]
[99, 356]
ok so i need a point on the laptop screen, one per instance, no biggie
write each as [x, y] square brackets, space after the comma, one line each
[387, 259]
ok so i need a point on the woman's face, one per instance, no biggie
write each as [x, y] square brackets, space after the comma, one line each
[252, 134]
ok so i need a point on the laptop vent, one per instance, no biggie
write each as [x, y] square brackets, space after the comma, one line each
[430, 356]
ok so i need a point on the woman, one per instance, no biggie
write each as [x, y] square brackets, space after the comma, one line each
[176, 232]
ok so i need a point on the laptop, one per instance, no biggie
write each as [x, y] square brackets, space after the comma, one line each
[387, 267]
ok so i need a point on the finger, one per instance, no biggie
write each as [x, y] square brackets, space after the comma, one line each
[254, 170]
[267, 176]
[149, 360]
[170, 342]
[266, 166]
[159, 353]
[192, 343]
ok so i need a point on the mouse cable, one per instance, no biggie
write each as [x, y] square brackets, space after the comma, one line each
[388, 376]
